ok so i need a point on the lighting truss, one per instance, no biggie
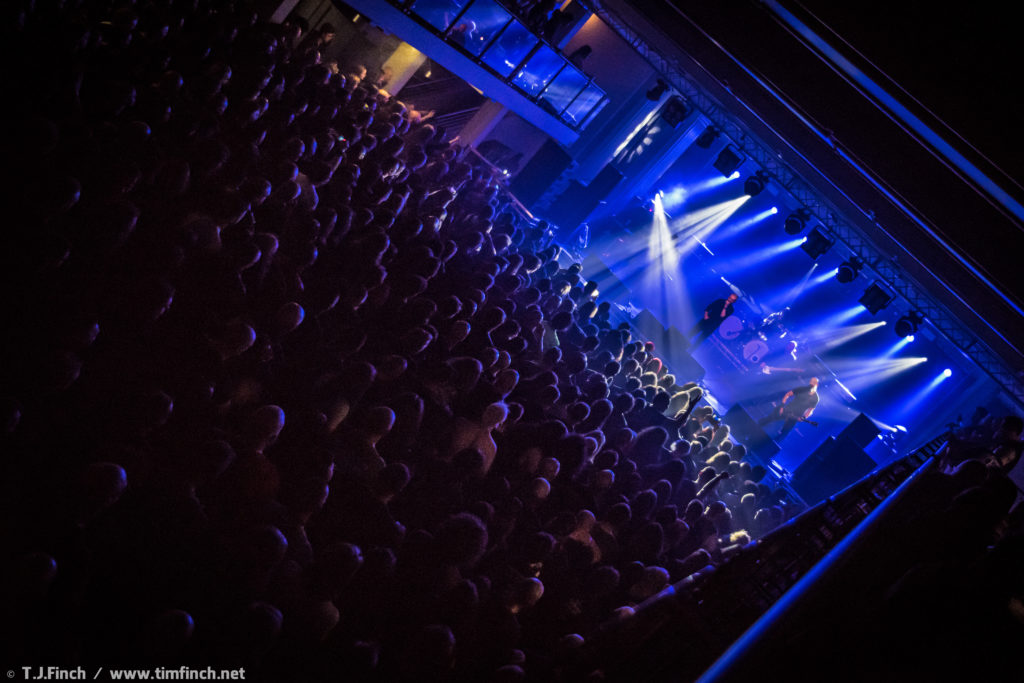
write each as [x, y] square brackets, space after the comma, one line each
[845, 232]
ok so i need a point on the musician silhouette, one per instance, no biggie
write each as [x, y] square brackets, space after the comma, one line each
[714, 315]
[797, 406]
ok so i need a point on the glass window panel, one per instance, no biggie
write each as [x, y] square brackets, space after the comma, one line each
[514, 43]
[583, 104]
[438, 13]
[561, 91]
[588, 118]
[540, 69]
[487, 17]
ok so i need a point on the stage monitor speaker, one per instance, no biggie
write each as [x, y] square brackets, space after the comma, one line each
[680, 363]
[834, 465]
[649, 327]
[862, 431]
[746, 430]
[540, 172]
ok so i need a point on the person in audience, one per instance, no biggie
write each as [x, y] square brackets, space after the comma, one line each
[463, 33]
[998, 445]
[319, 39]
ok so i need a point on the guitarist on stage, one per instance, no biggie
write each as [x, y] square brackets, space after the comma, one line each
[797, 406]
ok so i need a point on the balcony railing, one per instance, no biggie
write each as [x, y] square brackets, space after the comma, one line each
[496, 39]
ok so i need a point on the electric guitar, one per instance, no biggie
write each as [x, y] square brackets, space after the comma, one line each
[801, 418]
[768, 370]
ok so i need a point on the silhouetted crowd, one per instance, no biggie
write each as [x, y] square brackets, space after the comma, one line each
[290, 385]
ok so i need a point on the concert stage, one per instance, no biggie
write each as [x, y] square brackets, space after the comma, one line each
[661, 276]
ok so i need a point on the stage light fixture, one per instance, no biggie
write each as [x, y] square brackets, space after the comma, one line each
[797, 221]
[728, 161]
[658, 91]
[947, 373]
[907, 325]
[849, 270]
[707, 138]
[675, 111]
[755, 184]
[875, 298]
[816, 243]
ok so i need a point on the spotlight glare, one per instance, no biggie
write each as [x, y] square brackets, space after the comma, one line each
[775, 210]
[901, 428]
[910, 338]
[735, 175]
[947, 373]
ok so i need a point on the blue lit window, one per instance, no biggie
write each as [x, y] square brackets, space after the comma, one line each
[438, 13]
[563, 89]
[585, 102]
[514, 43]
[488, 18]
[541, 68]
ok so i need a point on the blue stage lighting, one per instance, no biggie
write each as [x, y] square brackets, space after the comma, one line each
[875, 298]
[907, 325]
[910, 338]
[729, 161]
[775, 210]
[707, 138]
[849, 269]
[947, 373]
[817, 243]
[755, 184]
[796, 221]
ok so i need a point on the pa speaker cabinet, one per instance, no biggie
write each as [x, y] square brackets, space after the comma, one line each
[540, 172]
[684, 366]
[746, 430]
[834, 465]
[861, 431]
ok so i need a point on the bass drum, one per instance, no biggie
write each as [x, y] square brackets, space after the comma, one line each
[731, 328]
[755, 351]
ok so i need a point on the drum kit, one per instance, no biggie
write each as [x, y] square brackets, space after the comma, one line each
[750, 340]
